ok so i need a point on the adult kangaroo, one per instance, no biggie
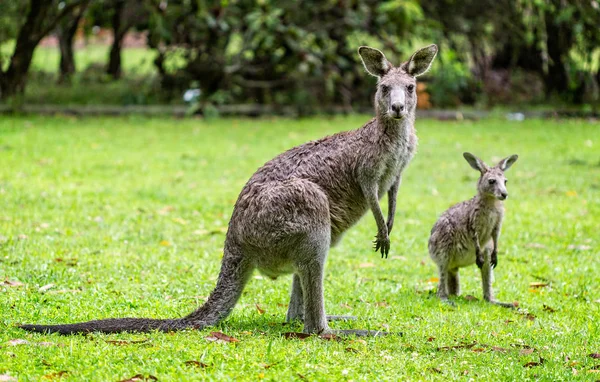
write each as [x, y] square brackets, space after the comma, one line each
[299, 204]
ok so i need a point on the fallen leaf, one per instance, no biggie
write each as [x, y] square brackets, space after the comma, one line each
[46, 287]
[165, 210]
[471, 298]
[508, 321]
[330, 337]
[68, 262]
[164, 243]
[461, 346]
[430, 339]
[499, 349]
[301, 376]
[382, 304]
[436, 370]
[12, 283]
[403, 258]
[56, 375]
[300, 336]
[214, 336]
[571, 193]
[46, 344]
[549, 309]
[269, 365]
[579, 247]
[530, 316]
[526, 351]
[432, 280]
[18, 341]
[595, 355]
[195, 364]
[180, 221]
[351, 350]
[366, 265]
[535, 245]
[532, 364]
[478, 350]
[126, 342]
[360, 341]
[7, 378]
[260, 310]
[537, 284]
[140, 377]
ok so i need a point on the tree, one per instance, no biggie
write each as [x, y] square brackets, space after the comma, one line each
[42, 16]
[66, 31]
[125, 15]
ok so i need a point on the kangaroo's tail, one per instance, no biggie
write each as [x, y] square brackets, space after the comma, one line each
[235, 272]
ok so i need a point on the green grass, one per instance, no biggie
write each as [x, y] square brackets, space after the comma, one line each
[124, 217]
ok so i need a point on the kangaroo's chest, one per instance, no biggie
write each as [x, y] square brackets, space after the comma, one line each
[484, 224]
[394, 164]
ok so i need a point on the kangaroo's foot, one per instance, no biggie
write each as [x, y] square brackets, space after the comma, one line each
[509, 305]
[361, 333]
[341, 318]
[447, 302]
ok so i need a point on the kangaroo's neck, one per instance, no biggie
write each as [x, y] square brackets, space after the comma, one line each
[394, 130]
[487, 202]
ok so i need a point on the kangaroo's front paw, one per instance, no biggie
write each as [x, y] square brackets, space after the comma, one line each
[382, 243]
[494, 259]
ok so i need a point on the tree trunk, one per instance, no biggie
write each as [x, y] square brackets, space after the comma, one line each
[13, 80]
[35, 27]
[66, 34]
[119, 30]
[559, 42]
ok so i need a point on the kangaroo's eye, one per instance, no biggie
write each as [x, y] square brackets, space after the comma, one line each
[492, 181]
[505, 181]
[410, 88]
[385, 88]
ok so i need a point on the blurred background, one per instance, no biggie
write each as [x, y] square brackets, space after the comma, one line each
[294, 58]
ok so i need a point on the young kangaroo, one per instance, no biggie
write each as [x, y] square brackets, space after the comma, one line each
[299, 204]
[468, 232]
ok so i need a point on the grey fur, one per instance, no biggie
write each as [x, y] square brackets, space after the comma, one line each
[468, 232]
[299, 204]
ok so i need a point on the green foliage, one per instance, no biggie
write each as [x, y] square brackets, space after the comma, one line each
[106, 217]
[278, 52]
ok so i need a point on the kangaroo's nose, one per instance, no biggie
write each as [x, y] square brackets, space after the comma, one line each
[397, 108]
[503, 195]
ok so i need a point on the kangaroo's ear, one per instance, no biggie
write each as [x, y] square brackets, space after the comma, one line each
[421, 60]
[374, 61]
[505, 163]
[475, 162]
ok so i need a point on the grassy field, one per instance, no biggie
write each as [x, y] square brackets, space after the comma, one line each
[126, 217]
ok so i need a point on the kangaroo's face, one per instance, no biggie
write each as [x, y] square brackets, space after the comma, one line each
[396, 96]
[492, 182]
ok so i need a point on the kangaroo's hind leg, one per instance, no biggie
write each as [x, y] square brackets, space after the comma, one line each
[296, 306]
[453, 282]
[487, 277]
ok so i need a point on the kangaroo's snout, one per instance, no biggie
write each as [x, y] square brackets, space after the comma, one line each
[503, 195]
[398, 109]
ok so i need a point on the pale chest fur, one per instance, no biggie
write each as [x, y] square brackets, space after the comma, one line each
[484, 219]
[398, 156]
